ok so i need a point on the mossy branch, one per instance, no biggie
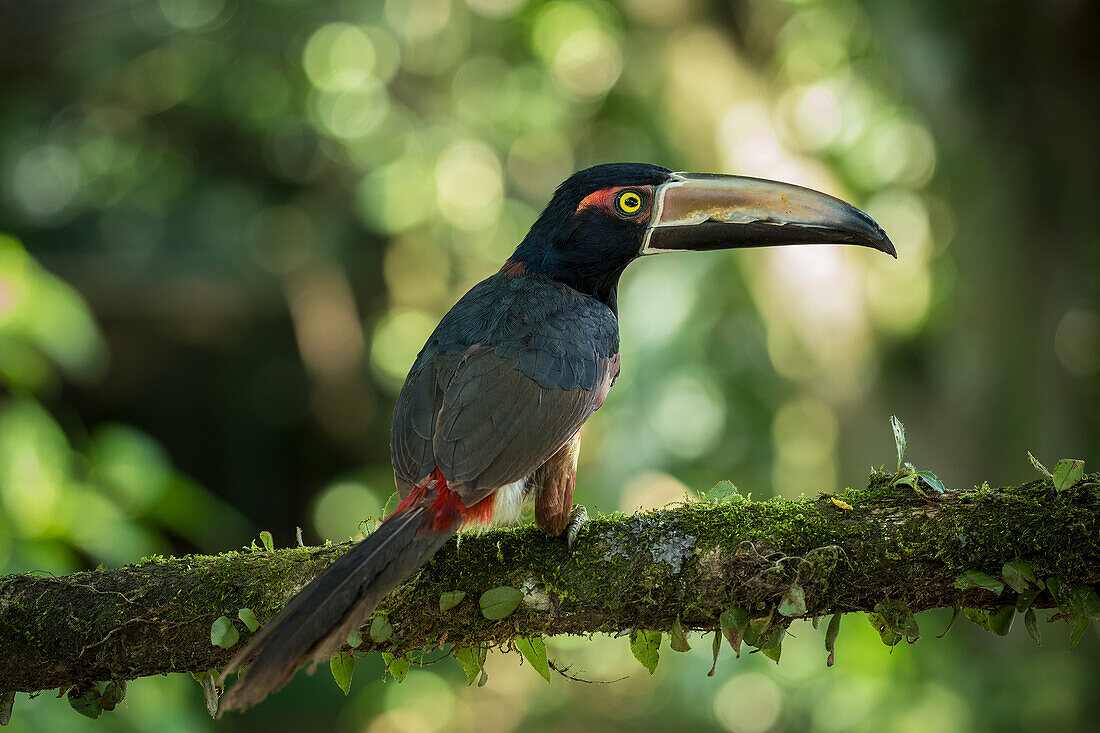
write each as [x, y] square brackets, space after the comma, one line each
[681, 566]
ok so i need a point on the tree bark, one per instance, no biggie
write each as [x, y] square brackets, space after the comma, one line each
[687, 563]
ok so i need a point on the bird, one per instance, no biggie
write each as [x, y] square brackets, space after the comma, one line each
[491, 412]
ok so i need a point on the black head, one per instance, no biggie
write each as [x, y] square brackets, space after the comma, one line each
[602, 218]
[583, 238]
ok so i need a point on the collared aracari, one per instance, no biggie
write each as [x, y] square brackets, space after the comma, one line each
[491, 411]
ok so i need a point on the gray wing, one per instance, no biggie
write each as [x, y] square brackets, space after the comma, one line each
[484, 423]
[414, 418]
[507, 377]
[497, 425]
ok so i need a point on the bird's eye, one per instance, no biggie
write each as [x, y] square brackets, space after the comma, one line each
[629, 203]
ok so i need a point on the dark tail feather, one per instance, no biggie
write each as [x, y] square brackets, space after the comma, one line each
[317, 622]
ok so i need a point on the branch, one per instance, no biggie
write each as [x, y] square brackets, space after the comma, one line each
[679, 566]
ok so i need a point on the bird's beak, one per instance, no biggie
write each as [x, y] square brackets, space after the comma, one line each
[705, 212]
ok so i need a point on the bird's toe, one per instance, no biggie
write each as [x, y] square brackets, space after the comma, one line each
[577, 518]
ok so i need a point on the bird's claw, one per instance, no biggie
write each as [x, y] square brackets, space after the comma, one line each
[577, 517]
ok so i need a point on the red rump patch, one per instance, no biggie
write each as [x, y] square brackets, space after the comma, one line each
[420, 493]
[481, 512]
[446, 506]
[445, 510]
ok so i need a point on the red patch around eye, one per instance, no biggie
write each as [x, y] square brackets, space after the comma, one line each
[604, 198]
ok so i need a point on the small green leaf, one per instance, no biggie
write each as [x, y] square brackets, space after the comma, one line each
[771, 638]
[88, 701]
[793, 602]
[355, 638]
[499, 603]
[749, 634]
[677, 638]
[899, 438]
[1090, 601]
[995, 622]
[470, 661]
[7, 702]
[773, 652]
[113, 693]
[223, 633]
[1032, 625]
[391, 504]
[733, 622]
[757, 629]
[889, 636]
[930, 478]
[342, 666]
[954, 618]
[534, 650]
[1055, 587]
[267, 540]
[909, 480]
[1013, 578]
[1078, 600]
[645, 646]
[897, 615]
[380, 628]
[1079, 627]
[398, 667]
[1018, 574]
[978, 579]
[248, 618]
[1025, 599]
[1038, 466]
[1068, 473]
[715, 648]
[211, 694]
[722, 491]
[830, 637]
[450, 599]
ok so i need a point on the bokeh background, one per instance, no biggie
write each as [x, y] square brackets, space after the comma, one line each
[227, 226]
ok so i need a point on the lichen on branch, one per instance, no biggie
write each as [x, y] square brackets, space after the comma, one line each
[890, 550]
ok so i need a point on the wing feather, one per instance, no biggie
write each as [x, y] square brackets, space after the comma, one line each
[508, 376]
[513, 427]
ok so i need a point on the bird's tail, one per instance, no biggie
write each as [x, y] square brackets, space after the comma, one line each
[317, 622]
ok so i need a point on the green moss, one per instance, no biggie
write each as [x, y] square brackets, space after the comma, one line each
[621, 574]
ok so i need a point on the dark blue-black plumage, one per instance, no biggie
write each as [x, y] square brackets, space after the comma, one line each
[508, 376]
[553, 332]
[531, 317]
[587, 250]
[523, 359]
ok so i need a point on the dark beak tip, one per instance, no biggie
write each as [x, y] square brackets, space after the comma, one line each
[876, 236]
[885, 245]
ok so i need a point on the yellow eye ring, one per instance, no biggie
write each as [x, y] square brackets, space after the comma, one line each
[629, 202]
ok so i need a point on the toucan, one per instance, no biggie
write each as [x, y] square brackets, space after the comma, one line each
[490, 414]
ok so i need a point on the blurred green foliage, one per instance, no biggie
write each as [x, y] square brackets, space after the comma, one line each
[108, 495]
[266, 206]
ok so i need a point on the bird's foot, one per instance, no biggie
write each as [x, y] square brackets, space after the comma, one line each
[577, 517]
